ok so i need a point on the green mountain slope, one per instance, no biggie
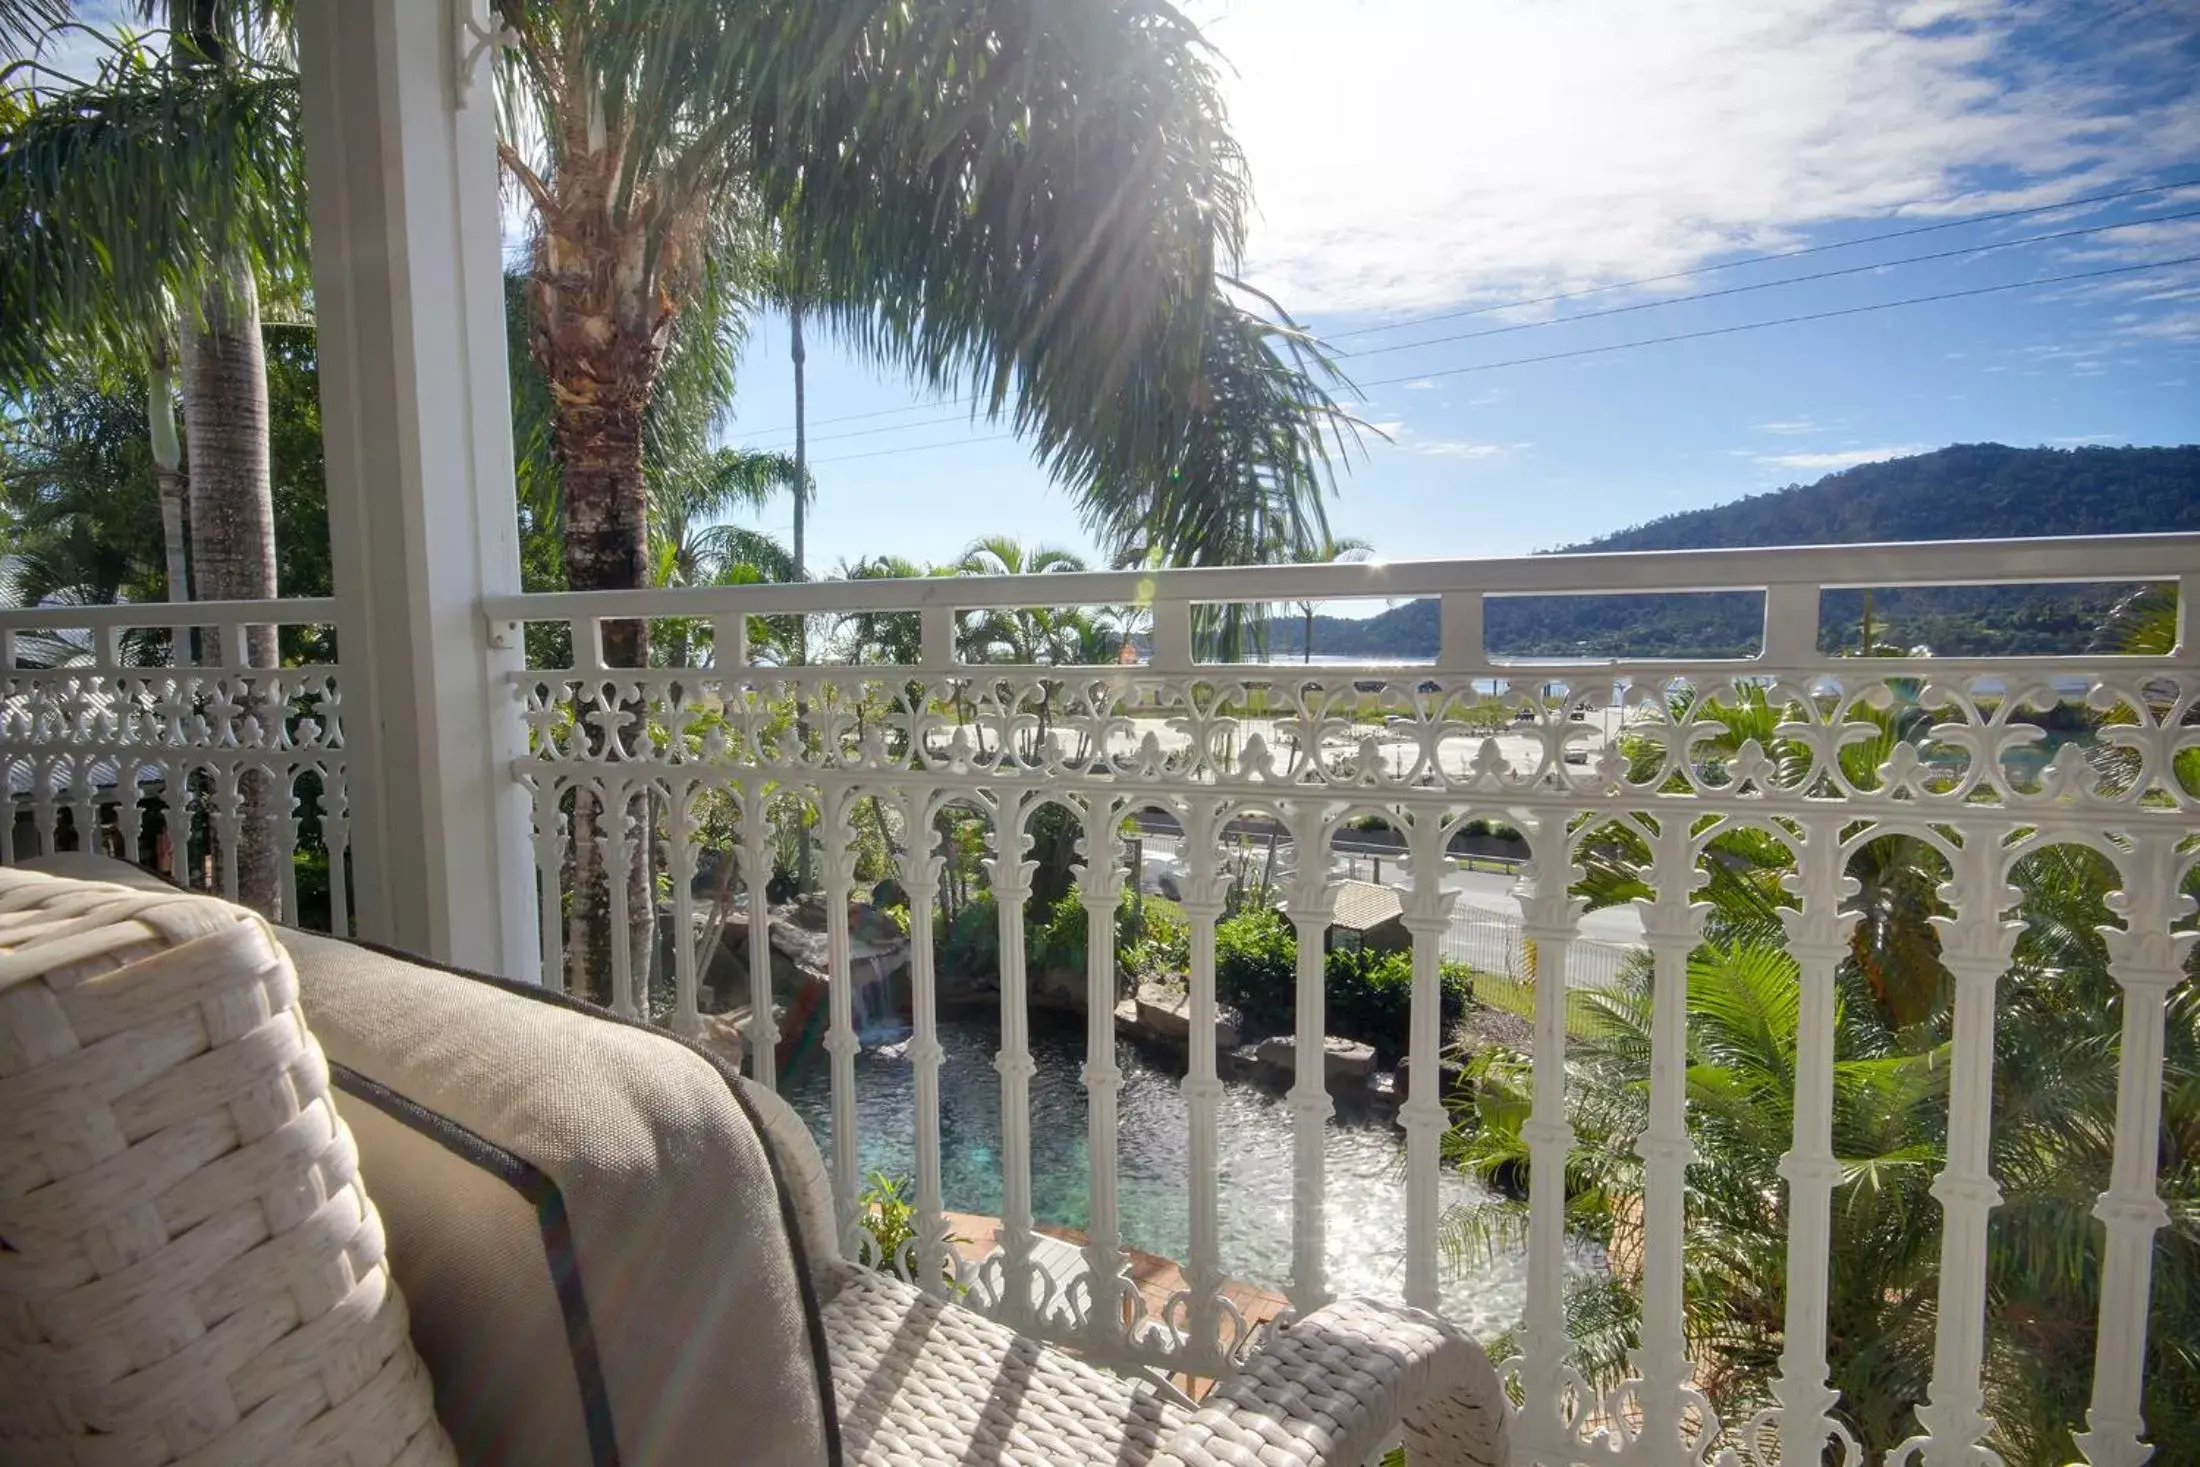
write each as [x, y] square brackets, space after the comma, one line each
[1969, 491]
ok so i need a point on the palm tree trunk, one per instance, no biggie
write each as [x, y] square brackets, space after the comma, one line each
[800, 354]
[160, 423]
[602, 364]
[233, 525]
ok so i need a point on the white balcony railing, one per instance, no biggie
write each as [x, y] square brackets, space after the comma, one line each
[623, 762]
[175, 767]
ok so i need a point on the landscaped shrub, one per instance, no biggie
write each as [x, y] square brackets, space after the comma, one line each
[1055, 942]
[1369, 997]
[1256, 957]
[1152, 941]
[972, 947]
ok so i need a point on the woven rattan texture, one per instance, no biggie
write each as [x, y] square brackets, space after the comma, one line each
[923, 1382]
[192, 1272]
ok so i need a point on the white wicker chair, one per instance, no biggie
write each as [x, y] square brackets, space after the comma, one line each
[921, 1381]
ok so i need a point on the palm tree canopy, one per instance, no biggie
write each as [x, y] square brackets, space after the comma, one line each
[1233, 470]
[1013, 198]
[1004, 555]
[115, 192]
[930, 166]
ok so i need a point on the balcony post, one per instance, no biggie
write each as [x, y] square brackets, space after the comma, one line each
[416, 414]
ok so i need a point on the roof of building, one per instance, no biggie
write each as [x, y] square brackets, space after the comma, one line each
[1362, 905]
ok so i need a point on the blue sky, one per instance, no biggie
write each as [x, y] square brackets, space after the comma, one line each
[1415, 157]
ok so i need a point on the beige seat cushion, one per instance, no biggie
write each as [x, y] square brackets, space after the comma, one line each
[609, 1268]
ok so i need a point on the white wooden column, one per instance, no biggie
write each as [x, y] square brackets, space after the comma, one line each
[1428, 917]
[1818, 940]
[1010, 873]
[416, 419]
[838, 861]
[1204, 890]
[1100, 890]
[1311, 904]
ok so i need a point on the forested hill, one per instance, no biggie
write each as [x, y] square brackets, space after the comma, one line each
[1969, 491]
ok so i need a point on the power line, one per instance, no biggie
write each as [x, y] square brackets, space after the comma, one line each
[1942, 225]
[1706, 295]
[1794, 254]
[1520, 326]
[918, 448]
[1917, 300]
[1618, 346]
[890, 428]
[915, 407]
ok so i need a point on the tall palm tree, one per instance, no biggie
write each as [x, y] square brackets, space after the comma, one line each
[936, 224]
[1324, 549]
[149, 206]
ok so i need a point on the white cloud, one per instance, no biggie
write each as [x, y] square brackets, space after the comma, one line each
[1423, 385]
[1847, 458]
[1791, 427]
[1461, 448]
[1474, 151]
[2178, 326]
[2077, 439]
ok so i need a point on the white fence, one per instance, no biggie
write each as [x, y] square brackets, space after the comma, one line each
[618, 753]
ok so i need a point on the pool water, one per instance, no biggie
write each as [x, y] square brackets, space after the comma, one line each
[1366, 1209]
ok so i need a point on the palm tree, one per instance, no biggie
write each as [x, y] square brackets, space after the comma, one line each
[149, 206]
[24, 22]
[687, 542]
[1026, 635]
[1326, 549]
[689, 548]
[657, 146]
[1233, 473]
[887, 636]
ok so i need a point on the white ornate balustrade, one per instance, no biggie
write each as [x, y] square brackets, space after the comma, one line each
[161, 760]
[1305, 746]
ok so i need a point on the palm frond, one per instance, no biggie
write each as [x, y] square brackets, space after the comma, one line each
[23, 23]
[116, 194]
